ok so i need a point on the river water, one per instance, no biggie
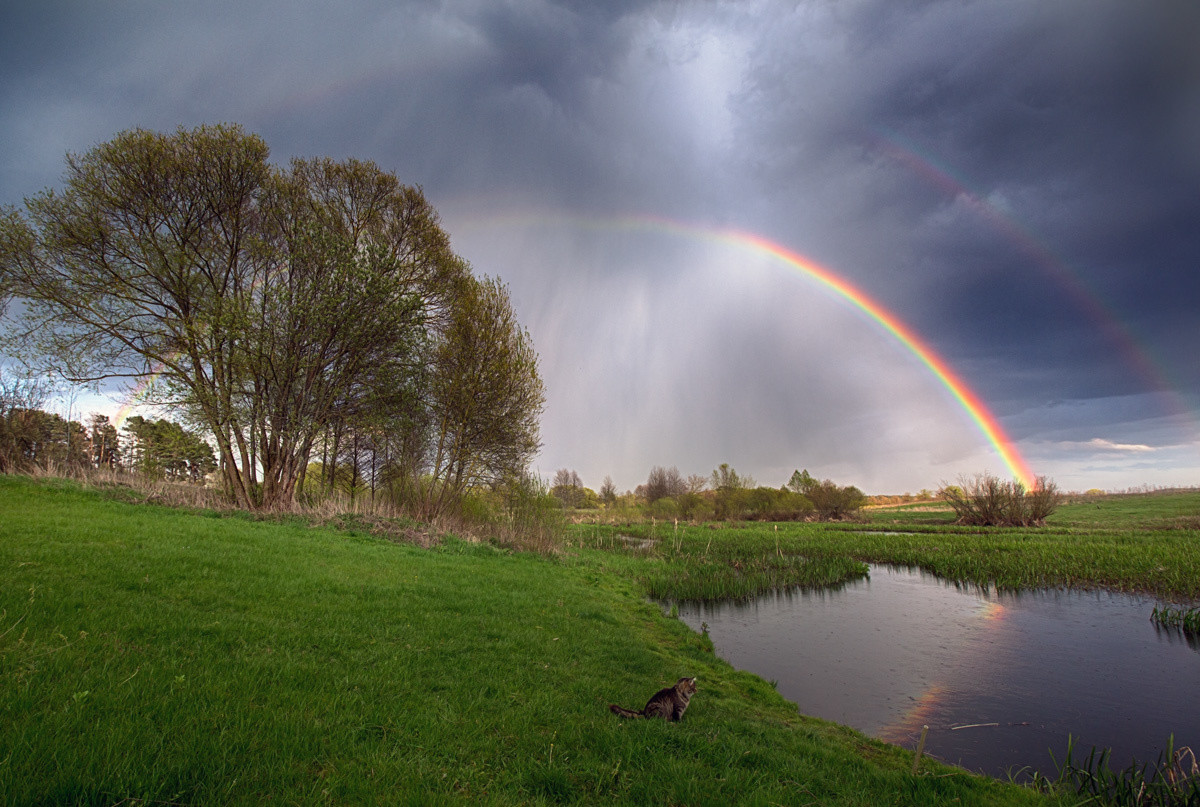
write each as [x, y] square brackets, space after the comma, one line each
[1001, 679]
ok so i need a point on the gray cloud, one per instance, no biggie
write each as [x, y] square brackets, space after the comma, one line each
[1018, 182]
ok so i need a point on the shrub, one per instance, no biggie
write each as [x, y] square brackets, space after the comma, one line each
[987, 501]
[834, 502]
[664, 509]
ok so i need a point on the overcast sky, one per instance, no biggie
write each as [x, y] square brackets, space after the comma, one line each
[1017, 182]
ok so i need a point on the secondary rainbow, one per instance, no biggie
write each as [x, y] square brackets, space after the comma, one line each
[1069, 279]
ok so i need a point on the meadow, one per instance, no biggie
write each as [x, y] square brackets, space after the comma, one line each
[1139, 543]
[159, 656]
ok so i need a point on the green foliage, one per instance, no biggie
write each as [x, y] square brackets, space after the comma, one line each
[1172, 781]
[485, 395]
[834, 502]
[1168, 616]
[765, 504]
[22, 429]
[230, 661]
[1140, 544]
[802, 481]
[282, 308]
[166, 449]
[664, 509]
[31, 438]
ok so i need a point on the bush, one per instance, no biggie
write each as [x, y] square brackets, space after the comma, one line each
[767, 504]
[521, 513]
[664, 509]
[987, 501]
[534, 518]
[834, 502]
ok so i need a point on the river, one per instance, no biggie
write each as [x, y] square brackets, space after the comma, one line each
[1001, 679]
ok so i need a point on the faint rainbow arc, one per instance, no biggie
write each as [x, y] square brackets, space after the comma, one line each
[137, 397]
[1103, 317]
[971, 403]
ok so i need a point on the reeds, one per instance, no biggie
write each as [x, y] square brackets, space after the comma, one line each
[1185, 619]
[1172, 781]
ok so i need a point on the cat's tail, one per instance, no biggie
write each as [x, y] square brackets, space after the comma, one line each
[621, 711]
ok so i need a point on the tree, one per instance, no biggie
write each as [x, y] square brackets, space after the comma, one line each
[832, 501]
[275, 306]
[163, 449]
[724, 478]
[608, 491]
[21, 395]
[567, 488]
[664, 483]
[485, 395]
[104, 442]
[728, 485]
[802, 481]
[987, 500]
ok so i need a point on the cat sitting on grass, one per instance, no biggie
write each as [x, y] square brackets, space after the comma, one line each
[669, 703]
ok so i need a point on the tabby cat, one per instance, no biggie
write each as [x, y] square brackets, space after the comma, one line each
[669, 702]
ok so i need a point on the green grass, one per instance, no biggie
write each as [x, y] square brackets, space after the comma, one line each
[1148, 544]
[153, 656]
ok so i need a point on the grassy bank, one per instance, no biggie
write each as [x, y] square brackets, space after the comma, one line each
[155, 656]
[1148, 544]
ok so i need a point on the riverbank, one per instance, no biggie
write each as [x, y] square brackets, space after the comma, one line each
[149, 655]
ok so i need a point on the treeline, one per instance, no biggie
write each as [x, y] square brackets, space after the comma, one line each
[311, 320]
[33, 439]
[724, 495]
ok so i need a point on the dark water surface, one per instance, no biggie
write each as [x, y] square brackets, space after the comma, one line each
[905, 649]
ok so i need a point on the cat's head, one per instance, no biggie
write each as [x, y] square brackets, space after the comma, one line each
[687, 685]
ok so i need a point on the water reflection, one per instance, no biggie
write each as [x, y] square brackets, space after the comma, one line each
[998, 678]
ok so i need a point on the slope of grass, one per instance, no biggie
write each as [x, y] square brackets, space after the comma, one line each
[155, 656]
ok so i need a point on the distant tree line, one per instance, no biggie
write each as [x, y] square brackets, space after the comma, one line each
[723, 495]
[34, 439]
[311, 320]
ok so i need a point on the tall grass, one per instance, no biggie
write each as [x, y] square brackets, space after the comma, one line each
[1185, 619]
[1172, 781]
[520, 515]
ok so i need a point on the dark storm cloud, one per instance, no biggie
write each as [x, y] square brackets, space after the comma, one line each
[1077, 118]
[1017, 181]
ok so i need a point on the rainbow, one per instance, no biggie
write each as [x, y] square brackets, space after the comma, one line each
[971, 403]
[966, 398]
[137, 397]
[947, 180]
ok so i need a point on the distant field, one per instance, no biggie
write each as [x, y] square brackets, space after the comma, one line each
[151, 656]
[1147, 543]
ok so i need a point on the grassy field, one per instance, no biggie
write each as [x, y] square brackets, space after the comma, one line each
[154, 656]
[1147, 543]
